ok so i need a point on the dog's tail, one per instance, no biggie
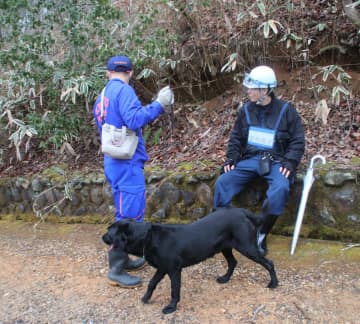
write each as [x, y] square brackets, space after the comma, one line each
[256, 219]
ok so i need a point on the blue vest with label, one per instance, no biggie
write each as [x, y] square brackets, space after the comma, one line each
[263, 137]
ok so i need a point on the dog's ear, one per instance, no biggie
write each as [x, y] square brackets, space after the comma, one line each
[112, 230]
[120, 236]
[115, 228]
[119, 242]
[108, 237]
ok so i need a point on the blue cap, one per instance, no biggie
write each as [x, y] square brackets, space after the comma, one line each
[119, 64]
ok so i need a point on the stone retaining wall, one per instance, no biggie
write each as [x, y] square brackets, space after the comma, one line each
[332, 211]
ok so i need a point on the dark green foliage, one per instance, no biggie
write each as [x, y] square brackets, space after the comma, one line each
[56, 127]
[53, 61]
[53, 53]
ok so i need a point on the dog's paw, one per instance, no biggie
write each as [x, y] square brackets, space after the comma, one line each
[169, 309]
[272, 284]
[222, 279]
[145, 299]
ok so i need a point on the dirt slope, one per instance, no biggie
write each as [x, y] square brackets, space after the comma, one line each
[197, 133]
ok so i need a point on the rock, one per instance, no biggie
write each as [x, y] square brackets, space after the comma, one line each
[332, 210]
[198, 213]
[155, 177]
[338, 177]
[204, 194]
[188, 197]
[177, 178]
[193, 180]
[353, 218]
[36, 185]
[160, 214]
[345, 196]
[3, 198]
[326, 217]
[171, 192]
[96, 195]
[22, 182]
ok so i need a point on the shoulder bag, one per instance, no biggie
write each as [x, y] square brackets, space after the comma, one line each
[118, 143]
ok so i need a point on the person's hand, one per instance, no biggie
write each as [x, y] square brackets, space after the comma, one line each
[285, 172]
[228, 166]
[165, 97]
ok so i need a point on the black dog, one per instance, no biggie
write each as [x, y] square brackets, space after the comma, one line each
[169, 248]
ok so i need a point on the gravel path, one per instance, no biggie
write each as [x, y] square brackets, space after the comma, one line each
[57, 274]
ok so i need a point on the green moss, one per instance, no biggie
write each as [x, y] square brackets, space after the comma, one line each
[321, 232]
[329, 233]
[169, 220]
[4, 181]
[153, 168]
[56, 173]
[28, 217]
[289, 230]
[309, 251]
[355, 161]
[54, 219]
[84, 219]
[196, 165]
[185, 166]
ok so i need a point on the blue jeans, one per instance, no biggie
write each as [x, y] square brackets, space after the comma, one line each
[128, 186]
[233, 182]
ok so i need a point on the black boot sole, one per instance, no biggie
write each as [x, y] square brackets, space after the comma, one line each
[116, 283]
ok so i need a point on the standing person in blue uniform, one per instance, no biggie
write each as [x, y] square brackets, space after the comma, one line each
[119, 106]
[267, 141]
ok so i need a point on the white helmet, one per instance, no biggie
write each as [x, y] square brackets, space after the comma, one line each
[260, 77]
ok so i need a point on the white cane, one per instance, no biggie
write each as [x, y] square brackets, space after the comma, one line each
[308, 182]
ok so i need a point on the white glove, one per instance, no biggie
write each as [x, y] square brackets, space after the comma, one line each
[165, 97]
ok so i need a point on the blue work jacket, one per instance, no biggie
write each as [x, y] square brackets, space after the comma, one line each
[123, 107]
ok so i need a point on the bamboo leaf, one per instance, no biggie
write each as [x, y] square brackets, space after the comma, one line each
[320, 27]
[253, 14]
[261, 7]
[326, 74]
[266, 29]
[145, 73]
[295, 37]
[241, 16]
[322, 111]
[273, 26]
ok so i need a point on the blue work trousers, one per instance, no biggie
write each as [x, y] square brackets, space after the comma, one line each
[128, 186]
[233, 182]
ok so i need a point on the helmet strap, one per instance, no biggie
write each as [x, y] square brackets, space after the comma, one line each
[270, 91]
[261, 98]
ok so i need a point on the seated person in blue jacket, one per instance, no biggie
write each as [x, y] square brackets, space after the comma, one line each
[118, 105]
[266, 141]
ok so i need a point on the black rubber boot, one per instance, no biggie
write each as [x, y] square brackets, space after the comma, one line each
[267, 224]
[117, 275]
[137, 264]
